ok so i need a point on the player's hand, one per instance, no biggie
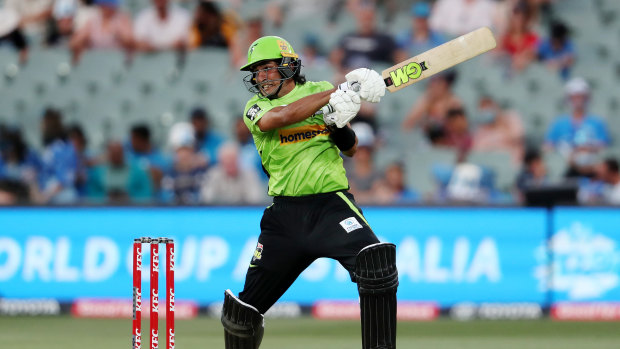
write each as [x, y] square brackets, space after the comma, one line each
[372, 85]
[345, 105]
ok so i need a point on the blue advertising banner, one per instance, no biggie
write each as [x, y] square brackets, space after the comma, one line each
[585, 250]
[444, 255]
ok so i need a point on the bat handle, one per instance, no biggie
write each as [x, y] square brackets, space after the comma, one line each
[355, 86]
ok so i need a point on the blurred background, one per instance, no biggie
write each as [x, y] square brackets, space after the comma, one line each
[497, 179]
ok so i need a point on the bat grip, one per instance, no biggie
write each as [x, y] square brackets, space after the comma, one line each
[328, 109]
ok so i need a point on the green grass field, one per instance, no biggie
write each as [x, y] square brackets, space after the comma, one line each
[69, 333]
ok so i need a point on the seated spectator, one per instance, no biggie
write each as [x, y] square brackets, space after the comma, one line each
[499, 129]
[251, 31]
[431, 108]
[84, 159]
[68, 17]
[181, 185]
[458, 17]
[206, 29]
[248, 155]
[312, 54]
[207, 140]
[118, 180]
[141, 150]
[227, 183]
[365, 46]
[12, 33]
[457, 132]
[520, 42]
[420, 37]
[162, 27]
[609, 173]
[110, 28]
[56, 180]
[533, 172]
[34, 15]
[18, 162]
[392, 189]
[558, 51]
[469, 183]
[578, 136]
[13, 193]
[361, 170]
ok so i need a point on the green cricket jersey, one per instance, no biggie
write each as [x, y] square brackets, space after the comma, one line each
[301, 159]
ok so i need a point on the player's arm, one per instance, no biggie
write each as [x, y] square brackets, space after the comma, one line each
[344, 138]
[295, 112]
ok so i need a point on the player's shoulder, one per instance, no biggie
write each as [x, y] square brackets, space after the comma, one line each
[317, 86]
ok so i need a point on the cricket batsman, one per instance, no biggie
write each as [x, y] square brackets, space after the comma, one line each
[313, 215]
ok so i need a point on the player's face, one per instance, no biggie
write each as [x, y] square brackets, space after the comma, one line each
[267, 78]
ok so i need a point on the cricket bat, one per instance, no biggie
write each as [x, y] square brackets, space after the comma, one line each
[438, 59]
[433, 61]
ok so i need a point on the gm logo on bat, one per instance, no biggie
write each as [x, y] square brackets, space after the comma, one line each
[411, 71]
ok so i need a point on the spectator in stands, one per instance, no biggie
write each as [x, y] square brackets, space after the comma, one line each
[68, 16]
[34, 15]
[12, 33]
[248, 156]
[279, 11]
[578, 136]
[469, 184]
[56, 182]
[457, 132]
[110, 28]
[17, 161]
[250, 32]
[519, 42]
[392, 189]
[609, 172]
[312, 54]
[533, 171]
[361, 170]
[181, 185]
[207, 140]
[431, 108]
[227, 183]
[498, 129]
[162, 27]
[141, 150]
[118, 180]
[13, 192]
[207, 28]
[84, 159]
[420, 37]
[458, 17]
[558, 51]
[365, 46]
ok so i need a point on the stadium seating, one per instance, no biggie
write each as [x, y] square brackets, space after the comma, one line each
[106, 94]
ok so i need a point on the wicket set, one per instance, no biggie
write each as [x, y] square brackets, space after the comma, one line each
[154, 292]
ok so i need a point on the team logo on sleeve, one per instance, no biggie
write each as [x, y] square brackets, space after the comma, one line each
[350, 224]
[253, 112]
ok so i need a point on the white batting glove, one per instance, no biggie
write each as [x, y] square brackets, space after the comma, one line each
[372, 84]
[345, 105]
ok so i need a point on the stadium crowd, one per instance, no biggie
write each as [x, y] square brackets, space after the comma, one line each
[201, 165]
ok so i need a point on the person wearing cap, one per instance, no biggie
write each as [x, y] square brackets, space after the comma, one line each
[419, 37]
[578, 135]
[300, 128]
[110, 28]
